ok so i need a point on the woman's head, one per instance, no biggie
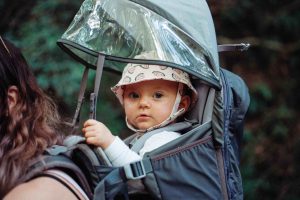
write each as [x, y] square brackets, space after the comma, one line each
[138, 80]
[15, 73]
[28, 118]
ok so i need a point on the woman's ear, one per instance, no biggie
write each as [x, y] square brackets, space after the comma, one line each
[185, 102]
[12, 97]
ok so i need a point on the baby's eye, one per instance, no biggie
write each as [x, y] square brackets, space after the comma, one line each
[133, 95]
[157, 95]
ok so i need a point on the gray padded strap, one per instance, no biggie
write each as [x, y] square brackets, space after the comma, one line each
[129, 141]
[172, 127]
[73, 140]
[56, 150]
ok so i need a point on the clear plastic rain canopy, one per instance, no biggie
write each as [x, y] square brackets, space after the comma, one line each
[180, 32]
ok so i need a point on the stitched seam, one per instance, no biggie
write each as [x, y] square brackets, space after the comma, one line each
[181, 149]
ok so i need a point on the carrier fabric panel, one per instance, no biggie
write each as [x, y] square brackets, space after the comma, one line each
[189, 172]
[237, 105]
[234, 178]
[239, 101]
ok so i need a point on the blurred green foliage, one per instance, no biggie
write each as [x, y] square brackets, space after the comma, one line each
[271, 145]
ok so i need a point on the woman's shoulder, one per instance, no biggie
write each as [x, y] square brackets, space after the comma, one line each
[41, 188]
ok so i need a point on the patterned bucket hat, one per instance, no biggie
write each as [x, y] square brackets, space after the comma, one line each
[134, 73]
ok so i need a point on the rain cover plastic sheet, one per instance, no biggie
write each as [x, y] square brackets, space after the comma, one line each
[122, 30]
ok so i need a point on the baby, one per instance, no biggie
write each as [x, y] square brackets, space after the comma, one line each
[153, 96]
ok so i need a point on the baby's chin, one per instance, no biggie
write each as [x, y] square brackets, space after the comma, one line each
[143, 127]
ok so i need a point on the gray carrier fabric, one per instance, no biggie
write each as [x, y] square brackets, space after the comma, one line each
[196, 166]
[187, 170]
[190, 167]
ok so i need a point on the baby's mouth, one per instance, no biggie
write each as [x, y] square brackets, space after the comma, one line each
[143, 117]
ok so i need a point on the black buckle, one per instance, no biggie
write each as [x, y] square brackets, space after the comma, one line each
[135, 170]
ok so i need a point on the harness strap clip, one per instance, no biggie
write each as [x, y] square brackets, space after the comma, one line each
[135, 170]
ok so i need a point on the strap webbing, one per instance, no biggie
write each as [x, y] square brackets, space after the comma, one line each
[112, 185]
[138, 169]
[94, 95]
[80, 97]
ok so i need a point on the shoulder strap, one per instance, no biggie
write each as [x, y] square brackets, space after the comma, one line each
[62, 163]
[129, 141]
[67, 181]
[76, 141]
[172, 127]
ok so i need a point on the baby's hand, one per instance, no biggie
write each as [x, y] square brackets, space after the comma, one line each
[96, 133]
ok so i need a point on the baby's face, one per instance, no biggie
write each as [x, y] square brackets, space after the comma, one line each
[149, 103]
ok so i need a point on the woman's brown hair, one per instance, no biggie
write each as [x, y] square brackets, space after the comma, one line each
[27, 129]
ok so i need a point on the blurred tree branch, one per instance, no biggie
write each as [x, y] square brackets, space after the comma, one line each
[273, 45]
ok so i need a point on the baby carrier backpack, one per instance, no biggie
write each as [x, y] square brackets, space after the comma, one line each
[201, 164]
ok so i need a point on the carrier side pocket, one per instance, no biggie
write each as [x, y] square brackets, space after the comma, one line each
[188, 172]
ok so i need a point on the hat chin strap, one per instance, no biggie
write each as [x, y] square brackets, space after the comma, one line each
[174, 114]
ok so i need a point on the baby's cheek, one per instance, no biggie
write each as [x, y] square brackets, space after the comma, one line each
[167, 107]
[163, 112]
[128, 107]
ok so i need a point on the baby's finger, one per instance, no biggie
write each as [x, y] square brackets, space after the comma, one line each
[89, 122]
[89, 128]
[92, 140]
[90, 134]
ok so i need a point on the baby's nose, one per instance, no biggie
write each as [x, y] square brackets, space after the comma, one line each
[144, 102]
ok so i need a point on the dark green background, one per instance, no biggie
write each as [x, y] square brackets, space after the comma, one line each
[271, 68]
